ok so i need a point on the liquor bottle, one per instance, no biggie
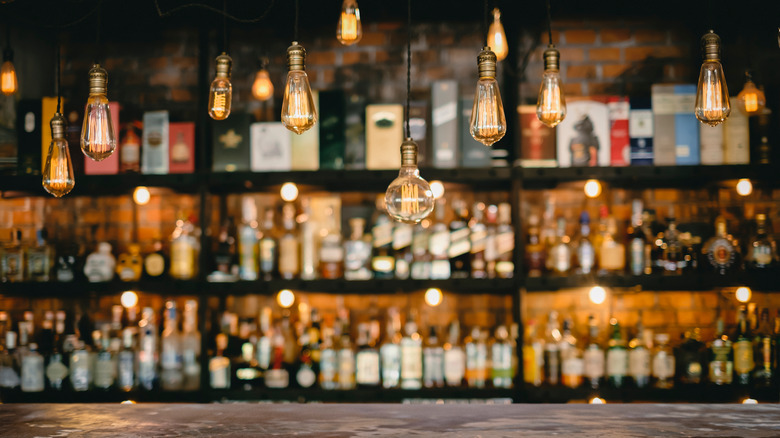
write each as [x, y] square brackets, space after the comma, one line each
[411, 354]
[248, 236]
[617, 356]
[9, 366]
[329, 363]
[654, 261]
[290, 344]
[639, 358]
[721, 367]
[601, 230]
[491, 241]
[263, 347]
[171, 374]
[126, 362]
[454, 357]
[315, 341]
[56, 370]
[130, 264]
[433, 360]
[308, 249]
[65, 264]
[689, 359]
[247, 374]
[421, 258]
[743, 350]
[277, 376]
[130, 151]
[612, 255]
[476, 359]
[185, 248]
[505, 242]
[761, 251]
[104, 366]
[637, 241]
[289, 245]
[571, 357]
[99, 266]
[219, 365]
[403, 236]
[533, 356]
[155, 264]
[671, 257]
[559, 255]
[190, 347]
[367, 373]
[268, 249]
[765, 353]
[80, 370]
[382, 260]
[720, 251]
[12, 261]
[346, 359]
[663, 362]
[226, 262]
[501, 355]
[460, 241]
[586, 255]
[32, 379]
[439, 244]
[552, 354]
[147, 350]
[477, 237]
[331, 250]
[40, 258]
[357, 252]
[535, 256]
[306, 376]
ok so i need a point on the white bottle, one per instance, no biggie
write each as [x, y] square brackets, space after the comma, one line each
[454, 357]
[411, 357]
[104, 367]
[147, 350]
[32, 370]
[80, 371]
[171, 375]
[190, 347]
[219, 365]
[9, 377]
[126, 362]
[433, 361]
[100, 265]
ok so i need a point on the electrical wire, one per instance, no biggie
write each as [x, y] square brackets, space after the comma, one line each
[295, 23]
[58, 79]
[408, 67]
[98, 51]
[213, 9]
[485, 26]
[224, 27]
[549, 23]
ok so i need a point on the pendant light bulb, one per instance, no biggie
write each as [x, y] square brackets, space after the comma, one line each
[350, 30]
[299, 113]
[496, 38]
[8, 81]
[409, 198]
[487, 123]
[712, 94]
[221, 90]
[98, 139]
[58, 170]
[551, 105]
[263, 88]
[751, 99]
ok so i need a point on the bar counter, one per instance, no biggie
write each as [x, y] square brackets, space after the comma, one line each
[350, 420]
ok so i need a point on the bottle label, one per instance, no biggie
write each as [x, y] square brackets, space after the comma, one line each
[586, 257]
[277, 378]
[391, 365]
[460, 242]
[505, 243]
[264, 352]
[267, 254]
[288, 255]
[182, 259]
[721, 254]
[125, 370]
[411, 360]
[154, 265]
[617, 362]
[454, 366]
[383, 234]
[478, 238]
[572, 369]
[721, 372]
[743, 357]
[367, 368]
[346, 377]
[639, 363]
[383, 264]
[433, 366]
[532, 373]
[331, 253]
[130, 154]
[305, 376]
[762, 255]
[612, 257]
[402, 236]
[663, 365]
[32, 373]
[328, 367]
[439, 243]
[440, 269]
[561, 258]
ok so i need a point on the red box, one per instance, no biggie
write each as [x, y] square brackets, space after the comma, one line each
[619, 139]
[109, 166]
[181, 147]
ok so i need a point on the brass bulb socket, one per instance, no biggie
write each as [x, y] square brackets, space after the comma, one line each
[296, 56]
[224, 65]
[552, 58]
[57, 127]
[409, 153]
[486, 63]
[711, 46]
[98, 80]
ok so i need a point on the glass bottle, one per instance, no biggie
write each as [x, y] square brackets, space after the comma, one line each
[501, 358]
[552, 354]
[505, 242]
[533, 356]
[617, 357]
[331, 250]
[477, 237]
[433, 360]
[721, 367]
[65, 265]
[130, 151]
[226, 261]
[403, 236]
[454, 357]
[439, 244]
[663, 362]
[612, 255]
[689, 359]
[491, 241]
[105, 366]
[185, 248]
[263, 347]
[219, 365]
[171, 375]
[130, 264]
[357, 252]
[40, 258]
[307, 371]
[476, 359]
[765, 353]
[190, 347]
[248, 236]
[329, 363]
[382, 260]
[307, 245]
[460, 242]
[56, 370]
[289, 245]
[761, 250]
[637, 240]
[421, 258]
[277, 376]
[639, 361]
[126, 362]
[147, 350]
[411, 355]
[12, 262]
[535, 256]
[80, 370]
[743, 350]
[586, 255]
[32, 370]
[367, 359]
[99, 266]
[155, 264]
[571, 357]
[720, 250]
[268, 249]
[671, 247]
[346, 359]
[560, 253]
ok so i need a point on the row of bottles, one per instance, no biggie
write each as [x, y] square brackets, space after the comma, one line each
[646, 246]
[748, 357]
[125, 354]
[263, 353]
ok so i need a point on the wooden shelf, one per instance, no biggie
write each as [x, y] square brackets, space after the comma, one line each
[696, 281]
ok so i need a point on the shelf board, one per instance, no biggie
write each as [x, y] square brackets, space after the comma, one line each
[699, 281]
[100, 185]
[704, 393]
[82, 289]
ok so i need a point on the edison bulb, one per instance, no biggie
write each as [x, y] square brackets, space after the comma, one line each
[712, 94]
[299, 113]
[496, 37]
[98, 139]
[262, 88]
[58, 170]
[349, 30]
[221, 90]
[409, 198]
[487, 123]
[551, 104]
[744, 187]
[8, 81]
[751, 99]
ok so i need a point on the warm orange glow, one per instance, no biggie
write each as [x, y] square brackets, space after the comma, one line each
[262, 88]
[751, 99]
[349, 29]
[8, 82]
[496, 39]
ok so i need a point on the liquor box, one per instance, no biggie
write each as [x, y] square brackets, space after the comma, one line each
[419, 126]
[711, 143]
[271, 146]
[28, 127]
[663, 123]
[109, 166]
[444, 117]
[355, 132]
[472, 152]
[640, 132]
[384, 135]
[332, 129]
[736, 136]
[154, 157]
[306, 146]
[620, 143]
[230, 140]
[537, 141]
[583, 137]
[182, 147]
[686, 126]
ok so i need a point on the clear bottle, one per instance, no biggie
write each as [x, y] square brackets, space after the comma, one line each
[346, 359]
[617, 357]
[331, 249]
[263, 348]
[433, 360]
[248, 237]
[126, 362]
[99, 266]
[268, 248]
[105, 365]
[689, 359]
[505, 242]
[80, 370]
[761, 249]
[40, 258]
[765, 353]
[572, 365]
[586, 254]
[219, 365]
[9, 366]
[289, 245]
[382, 259]
[32, 379]
[460, 242]
[403, 236]
[535, 254]
[226, 260]
[185, 248]
[720, 251]
[637, 240]
[639, 358]
[552, 353]
[171, 374]
[56, 370]
[533, 356]
[663, 362]
[612, 255]
[147, 350]
[411, 355]
[307, 244]
[502, 353]
[357, 252]
[743, 350]
[12, 261]
[491, 241]
[190, 347]
[367, 373]
[560, 253]
[721, 363]
[439, 244]
[476, 359]
[454, 357]
[671, 249]
[390, 351]
[329, 363]
[478, 237]
[421, 258]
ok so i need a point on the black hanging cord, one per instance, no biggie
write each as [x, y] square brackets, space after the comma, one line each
[549, 23]
[224, 27]
[8, 36]
[295, 23]
[98, 51]
[213, 9]
[57, 82]
[485, 19]
[408, 68]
